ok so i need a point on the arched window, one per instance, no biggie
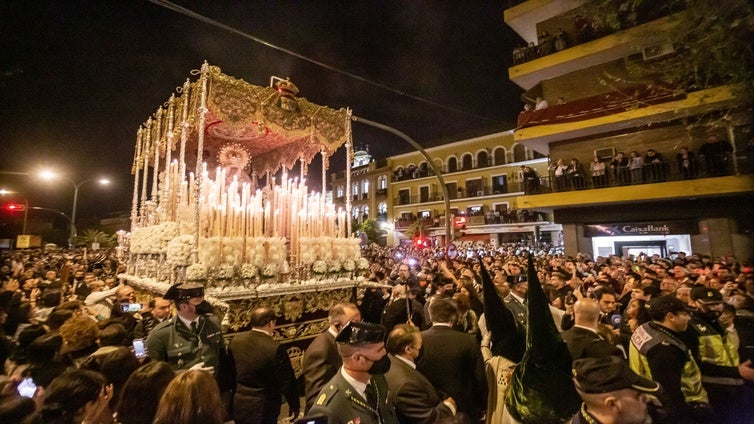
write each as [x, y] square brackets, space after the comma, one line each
[452, 164]
[340, 192]
[382, 182]
[468, 161]
[365, 186]
[499, 156]
[519, 153]
[355, 213]
[354, 189]
[482, 159]
[365, 214]
[382, 208]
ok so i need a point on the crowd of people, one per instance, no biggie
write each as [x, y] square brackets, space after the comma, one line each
[671, 338]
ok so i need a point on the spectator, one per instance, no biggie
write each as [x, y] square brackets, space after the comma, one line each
[619, 166]
[583, 339]
[80, 335]
[576, 175]
[142, 392]
[192, 397]
[541, 104]
[597, 168]
[636, 167]
[688, 165]
[655, 166]
[77, 396]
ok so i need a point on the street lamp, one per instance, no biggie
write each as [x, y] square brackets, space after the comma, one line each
[51, 175]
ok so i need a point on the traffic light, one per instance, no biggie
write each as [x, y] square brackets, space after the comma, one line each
[421, 242]
[15, 207]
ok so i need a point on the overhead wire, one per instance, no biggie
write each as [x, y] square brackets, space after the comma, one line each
[194, 15]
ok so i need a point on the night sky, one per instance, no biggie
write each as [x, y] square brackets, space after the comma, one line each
[80, 77]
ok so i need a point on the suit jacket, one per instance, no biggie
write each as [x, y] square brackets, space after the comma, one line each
[583, 343]
[321, 363]
[395, 313]
[414, 397]
[519, 311]
[263, 373]
[452, 362]
[342, 404]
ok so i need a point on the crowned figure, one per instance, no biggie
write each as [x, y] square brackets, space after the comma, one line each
[234, 160]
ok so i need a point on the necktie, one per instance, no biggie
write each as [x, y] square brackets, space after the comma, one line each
[194, 327]
[371, 395]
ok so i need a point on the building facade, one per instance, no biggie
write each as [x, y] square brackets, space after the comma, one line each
[592, 100]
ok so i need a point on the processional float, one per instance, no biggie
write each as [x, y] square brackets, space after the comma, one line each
[213, 201]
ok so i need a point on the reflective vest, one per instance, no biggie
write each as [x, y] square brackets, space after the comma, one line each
[715, 348]
[644, 339]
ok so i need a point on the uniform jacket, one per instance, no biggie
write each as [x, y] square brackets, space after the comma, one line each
[452, 362]
[263, 373]
[414, 397]
[171, 341]
[518, 309]
[321, 362]
[342, 404]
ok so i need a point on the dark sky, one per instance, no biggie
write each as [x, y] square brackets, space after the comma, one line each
[79, 77]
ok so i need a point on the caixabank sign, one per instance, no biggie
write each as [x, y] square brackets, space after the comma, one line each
[658, 228]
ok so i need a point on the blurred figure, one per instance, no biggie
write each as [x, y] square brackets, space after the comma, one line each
[192, 397]
[142, 392]
[77, 396]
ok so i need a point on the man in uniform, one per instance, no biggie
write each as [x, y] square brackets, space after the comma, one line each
[611, 392]
[723, 375]
[192, 339]
[657, 352]
[358, 393]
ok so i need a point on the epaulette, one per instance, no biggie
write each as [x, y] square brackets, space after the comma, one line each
[326, 395]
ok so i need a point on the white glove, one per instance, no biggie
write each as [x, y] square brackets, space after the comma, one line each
[200, 367]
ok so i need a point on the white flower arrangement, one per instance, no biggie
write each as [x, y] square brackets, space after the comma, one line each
[179, 250]
[270, 271]
[224, 272]
[319, 267]
[249, 271]
[362, 264]
[196, 272]
[334, 267]
[349, 265]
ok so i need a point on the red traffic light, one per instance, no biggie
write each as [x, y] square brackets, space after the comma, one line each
[15, 207]
[421, 242]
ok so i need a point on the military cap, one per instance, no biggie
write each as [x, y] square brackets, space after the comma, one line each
[609, 374]
[358, 333]
[706, 295]
[184, 291]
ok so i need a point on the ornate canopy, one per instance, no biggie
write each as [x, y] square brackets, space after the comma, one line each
[274, 126]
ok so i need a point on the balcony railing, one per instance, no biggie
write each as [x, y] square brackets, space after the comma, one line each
[646, 174]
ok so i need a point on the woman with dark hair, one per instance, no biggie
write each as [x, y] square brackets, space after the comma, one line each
[192, 397]
[18, 361]
[77, 396]
[474, 301]
[45, 360]
[142, 392]
[17, 409]
[116, 365]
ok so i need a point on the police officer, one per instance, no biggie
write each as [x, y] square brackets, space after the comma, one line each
[657, 352]
[611, 392]
[722, 373]
[358, 393]
[192, 339]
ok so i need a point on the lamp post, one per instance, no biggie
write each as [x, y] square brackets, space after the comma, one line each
[49, 175]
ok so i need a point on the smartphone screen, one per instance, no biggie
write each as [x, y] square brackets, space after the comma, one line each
[130, 307]
[139, 350]
[27, 388]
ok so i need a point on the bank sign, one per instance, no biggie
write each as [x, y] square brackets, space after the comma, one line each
[641, 229]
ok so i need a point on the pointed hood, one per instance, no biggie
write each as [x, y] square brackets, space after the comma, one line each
[507, 339]
[541, 389]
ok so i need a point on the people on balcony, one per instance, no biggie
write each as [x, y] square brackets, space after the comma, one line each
[636, 167]
[688, 165]
[541, 104]
[654, 166]
[559, 172]
[597, 168]
[531, 180]
[576, 175]
[619, 166]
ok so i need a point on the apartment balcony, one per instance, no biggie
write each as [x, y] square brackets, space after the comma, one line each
[653, 183]
[381, 192]
[598, 52]
[556, 128]
[524, 17]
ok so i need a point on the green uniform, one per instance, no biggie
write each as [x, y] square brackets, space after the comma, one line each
[171, 341]
[342, 404]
